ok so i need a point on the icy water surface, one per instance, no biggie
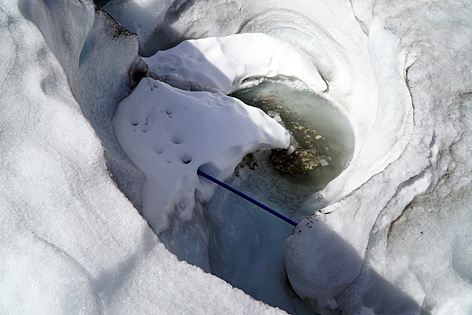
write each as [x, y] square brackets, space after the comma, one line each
[246, 243]
[322, 137]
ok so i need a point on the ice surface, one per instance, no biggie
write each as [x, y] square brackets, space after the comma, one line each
[109, 67]
[409, 244]
[246, 244]
[340, 75]
[146, 17]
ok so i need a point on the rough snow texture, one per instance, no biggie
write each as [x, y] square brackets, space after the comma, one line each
[70, 242]
[111, 52]
[391, 234]
[170, 133]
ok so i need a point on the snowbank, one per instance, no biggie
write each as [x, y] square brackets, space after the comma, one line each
[70, 241]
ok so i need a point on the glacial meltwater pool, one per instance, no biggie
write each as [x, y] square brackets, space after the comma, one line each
[323, 141]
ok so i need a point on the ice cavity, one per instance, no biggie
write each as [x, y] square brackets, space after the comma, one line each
[170, 133]
[340, 77]
[379, 68]
[218, 64]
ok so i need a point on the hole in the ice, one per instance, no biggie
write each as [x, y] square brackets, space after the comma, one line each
[245, 243]
[186, 159]
[322, 138]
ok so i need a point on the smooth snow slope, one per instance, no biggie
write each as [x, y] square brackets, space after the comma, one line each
[71, 243]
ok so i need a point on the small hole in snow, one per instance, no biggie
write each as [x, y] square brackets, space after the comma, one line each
[158, 150]
[186, 159]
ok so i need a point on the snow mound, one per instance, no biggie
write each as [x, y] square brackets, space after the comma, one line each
[170, 133]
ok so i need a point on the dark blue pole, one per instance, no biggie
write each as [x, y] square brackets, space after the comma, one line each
[237, 192]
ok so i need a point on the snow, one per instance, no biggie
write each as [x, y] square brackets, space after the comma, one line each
[386, 204]
[112, 52]
[71, 242]
[221, 64]
[399, 153]
[169, 134]
[151, 15]
[391, 234]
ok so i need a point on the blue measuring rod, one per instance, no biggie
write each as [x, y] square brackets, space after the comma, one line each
[240, 194]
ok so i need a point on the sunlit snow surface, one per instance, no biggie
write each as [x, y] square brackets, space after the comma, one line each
[393, 232]
[70, 241]
[170, 133]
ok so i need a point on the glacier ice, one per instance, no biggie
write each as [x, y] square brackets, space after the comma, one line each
[389, 235]
[369, 60]
[424, 173]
